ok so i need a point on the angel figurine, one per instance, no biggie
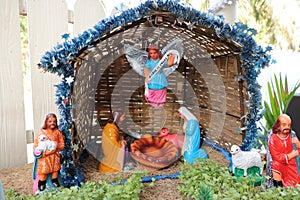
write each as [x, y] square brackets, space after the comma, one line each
[155, 68]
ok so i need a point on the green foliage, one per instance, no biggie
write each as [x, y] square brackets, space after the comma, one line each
[204, 192]
[90, 190]
[24, 29]
[208, 175]
[261, 13]
[279, 29]
[271, 28]
[221, 183]
[279, 99]
[205, 5]
[24, 42]
[205, 180]
[13, 194]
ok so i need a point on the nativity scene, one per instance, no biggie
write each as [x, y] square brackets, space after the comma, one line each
[160, 65]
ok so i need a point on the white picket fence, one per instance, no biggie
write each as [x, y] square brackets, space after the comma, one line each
[47, 21]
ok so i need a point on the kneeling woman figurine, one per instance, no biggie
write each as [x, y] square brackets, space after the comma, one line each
[113, 145]
[47, 156]
[191, 147]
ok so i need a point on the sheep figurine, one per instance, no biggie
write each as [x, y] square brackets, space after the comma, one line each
[45, 143]
[245, 159]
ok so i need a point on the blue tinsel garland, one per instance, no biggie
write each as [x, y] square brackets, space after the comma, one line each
[253, 57]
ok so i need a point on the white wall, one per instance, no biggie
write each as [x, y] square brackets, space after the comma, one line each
[12, 117]
[288, 63]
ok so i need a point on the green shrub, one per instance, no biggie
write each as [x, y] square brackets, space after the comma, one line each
[90, 190]
[208, 180]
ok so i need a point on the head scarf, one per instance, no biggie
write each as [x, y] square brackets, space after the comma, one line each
[186, 113]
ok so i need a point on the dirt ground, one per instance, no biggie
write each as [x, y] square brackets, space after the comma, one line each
[20, 178]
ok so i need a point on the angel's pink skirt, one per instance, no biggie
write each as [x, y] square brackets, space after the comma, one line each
[157, 98]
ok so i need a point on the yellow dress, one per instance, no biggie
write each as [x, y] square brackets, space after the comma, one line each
[111, 146]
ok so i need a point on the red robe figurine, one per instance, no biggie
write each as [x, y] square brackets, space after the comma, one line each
[284, 167]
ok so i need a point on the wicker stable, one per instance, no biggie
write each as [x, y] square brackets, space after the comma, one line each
[206, 81]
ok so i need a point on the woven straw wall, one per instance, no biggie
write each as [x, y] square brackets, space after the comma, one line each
[204, 82]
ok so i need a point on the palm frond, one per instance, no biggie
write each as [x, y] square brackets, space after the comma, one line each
[279, 99]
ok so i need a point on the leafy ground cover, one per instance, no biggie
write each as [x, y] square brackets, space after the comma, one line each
[208, 179]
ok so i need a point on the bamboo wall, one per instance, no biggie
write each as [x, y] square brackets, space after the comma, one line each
[204, 82]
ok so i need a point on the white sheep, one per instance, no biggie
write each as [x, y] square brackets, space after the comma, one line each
[245, 159]
[45, 143]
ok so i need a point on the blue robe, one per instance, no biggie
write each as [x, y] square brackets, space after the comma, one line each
[159, 81]
[192, 149]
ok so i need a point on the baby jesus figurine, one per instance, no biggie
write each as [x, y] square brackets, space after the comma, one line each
[176, 139]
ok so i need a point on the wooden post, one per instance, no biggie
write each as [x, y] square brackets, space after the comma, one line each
[47, 21]
[84, 21]
[12, 124]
